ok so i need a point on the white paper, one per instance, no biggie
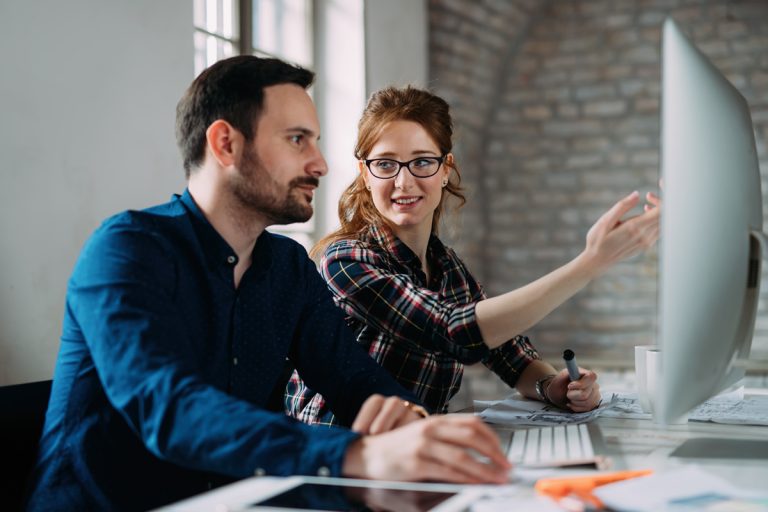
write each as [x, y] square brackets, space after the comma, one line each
[515, 410]
[674, 490]
[506, 498]
[732, 408]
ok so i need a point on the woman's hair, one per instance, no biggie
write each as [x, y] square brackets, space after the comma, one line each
[356, 208]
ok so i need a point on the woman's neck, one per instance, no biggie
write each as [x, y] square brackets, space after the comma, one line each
[417, 240]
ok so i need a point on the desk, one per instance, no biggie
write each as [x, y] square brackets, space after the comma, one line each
[631, 443]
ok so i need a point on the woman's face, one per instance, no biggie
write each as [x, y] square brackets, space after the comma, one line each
[406, 201]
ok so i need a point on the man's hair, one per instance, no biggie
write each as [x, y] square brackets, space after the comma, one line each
[233, 90]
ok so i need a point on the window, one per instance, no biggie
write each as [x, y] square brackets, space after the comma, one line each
[269, 28]
[216, 31]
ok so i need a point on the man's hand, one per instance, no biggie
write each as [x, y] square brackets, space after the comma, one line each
[381, 414]
[578, 395]
[439, 448]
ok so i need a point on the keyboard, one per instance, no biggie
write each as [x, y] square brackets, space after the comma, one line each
[557, 446]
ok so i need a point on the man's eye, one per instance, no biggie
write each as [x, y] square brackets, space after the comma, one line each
[296, 139]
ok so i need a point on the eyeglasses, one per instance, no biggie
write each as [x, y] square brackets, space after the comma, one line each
[422, 167]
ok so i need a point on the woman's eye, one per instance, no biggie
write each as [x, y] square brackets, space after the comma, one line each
[385, 165]
[421, 163]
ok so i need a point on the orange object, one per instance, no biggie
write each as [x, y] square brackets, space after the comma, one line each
[582, 486]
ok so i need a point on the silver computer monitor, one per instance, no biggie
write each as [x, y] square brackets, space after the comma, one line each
[711, 230]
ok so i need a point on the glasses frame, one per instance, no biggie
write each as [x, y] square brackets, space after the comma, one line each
[440, 159]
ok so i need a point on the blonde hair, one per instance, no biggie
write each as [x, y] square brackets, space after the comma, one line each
[356, 208]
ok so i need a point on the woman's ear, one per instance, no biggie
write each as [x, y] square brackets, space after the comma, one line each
[447, 167]
[361, 168]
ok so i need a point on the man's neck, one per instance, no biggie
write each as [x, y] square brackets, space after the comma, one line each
[238, 227]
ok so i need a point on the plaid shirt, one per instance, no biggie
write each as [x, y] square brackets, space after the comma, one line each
[421, 332]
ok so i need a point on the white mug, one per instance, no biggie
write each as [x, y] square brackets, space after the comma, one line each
[641, 376]
[653, 377]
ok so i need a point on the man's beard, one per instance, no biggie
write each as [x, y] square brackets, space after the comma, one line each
[258, 192]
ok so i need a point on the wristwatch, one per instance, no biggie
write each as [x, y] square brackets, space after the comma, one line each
[541, 390]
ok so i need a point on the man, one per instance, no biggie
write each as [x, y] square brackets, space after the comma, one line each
[179, 319]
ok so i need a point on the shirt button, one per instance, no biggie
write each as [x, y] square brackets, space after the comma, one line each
[323, 471]
[231, 260]
[260, 472]
[234, 361]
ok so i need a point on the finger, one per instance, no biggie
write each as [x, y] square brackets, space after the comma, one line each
[389, 415]
[589, 403]
[612, 216]
[480, 431]
[470, 433]
[635, 228]
[587, 380]
[367, 414]
[461, 461]
[437, 472]
[653, 199]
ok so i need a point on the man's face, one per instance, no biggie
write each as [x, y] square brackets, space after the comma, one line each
[280, 169]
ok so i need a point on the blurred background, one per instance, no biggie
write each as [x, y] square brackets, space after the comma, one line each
[556, 106]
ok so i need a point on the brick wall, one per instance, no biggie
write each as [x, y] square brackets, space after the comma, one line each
[557, 111]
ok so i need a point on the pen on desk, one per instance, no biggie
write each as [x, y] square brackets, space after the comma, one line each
[570, 363]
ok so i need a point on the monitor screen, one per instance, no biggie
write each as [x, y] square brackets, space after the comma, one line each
[711, 227]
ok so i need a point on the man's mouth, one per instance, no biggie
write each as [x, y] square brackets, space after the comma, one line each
[306, 185]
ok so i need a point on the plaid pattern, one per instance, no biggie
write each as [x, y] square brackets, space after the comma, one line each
[420, 332]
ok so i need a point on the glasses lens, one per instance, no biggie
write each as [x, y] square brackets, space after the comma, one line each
[384, 168]
[424, 167]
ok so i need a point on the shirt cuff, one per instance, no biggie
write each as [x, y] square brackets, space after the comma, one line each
[324, 450]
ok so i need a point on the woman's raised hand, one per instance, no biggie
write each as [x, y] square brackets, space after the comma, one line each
[612, 239]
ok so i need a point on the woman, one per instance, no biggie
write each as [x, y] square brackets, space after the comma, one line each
[411, 301]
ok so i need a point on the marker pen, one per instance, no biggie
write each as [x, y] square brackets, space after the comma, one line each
[570, 363]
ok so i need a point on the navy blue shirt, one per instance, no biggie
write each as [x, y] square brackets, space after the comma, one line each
[165, 368]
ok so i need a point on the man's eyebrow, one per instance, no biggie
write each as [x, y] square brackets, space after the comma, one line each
[303, 131]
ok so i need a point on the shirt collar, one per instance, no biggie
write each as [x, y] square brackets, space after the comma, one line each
[383, 235]
[217, 251]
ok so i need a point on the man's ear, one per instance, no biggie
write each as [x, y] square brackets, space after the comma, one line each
[224, 142]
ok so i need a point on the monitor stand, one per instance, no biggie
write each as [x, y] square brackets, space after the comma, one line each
[716, 448]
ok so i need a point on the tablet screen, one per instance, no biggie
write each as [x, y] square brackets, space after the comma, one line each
[312, 496]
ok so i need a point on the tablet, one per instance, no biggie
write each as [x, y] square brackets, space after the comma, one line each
[350, 495]
[325, 493]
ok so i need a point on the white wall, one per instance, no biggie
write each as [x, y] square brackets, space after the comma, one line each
[88, 90]
[340, 98]
[396, 43]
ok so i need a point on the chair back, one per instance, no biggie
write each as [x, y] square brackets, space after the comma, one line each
[22, 414]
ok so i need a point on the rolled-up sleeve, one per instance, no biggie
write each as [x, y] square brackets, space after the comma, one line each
[510, 359]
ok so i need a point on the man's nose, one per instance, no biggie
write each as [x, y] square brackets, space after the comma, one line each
[317, 166]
